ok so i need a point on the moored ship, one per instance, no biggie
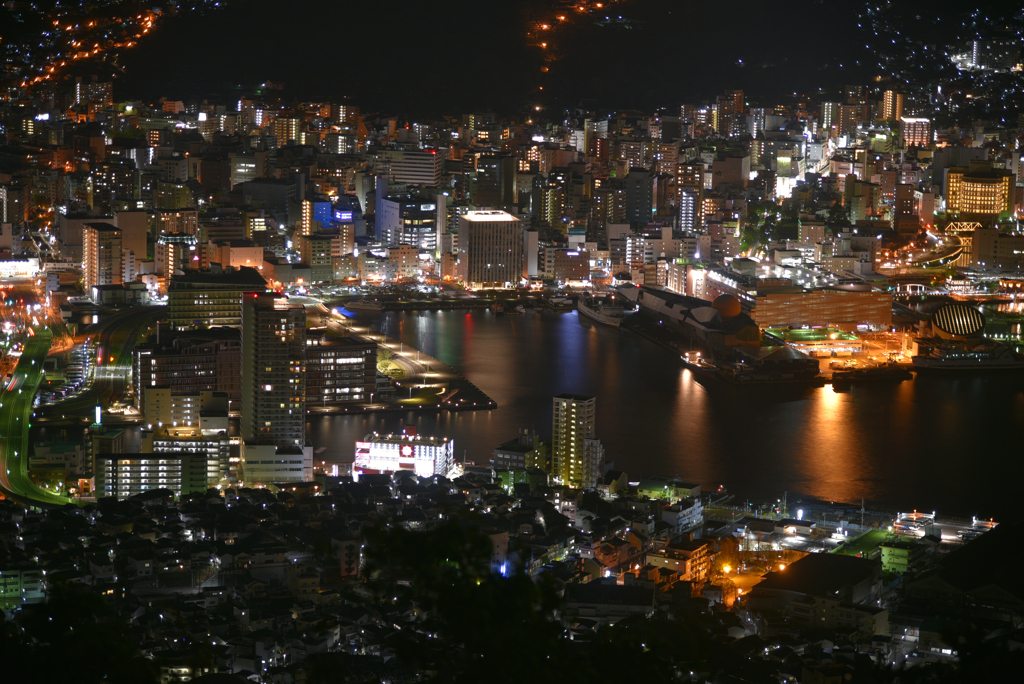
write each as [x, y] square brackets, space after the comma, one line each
[698, 364]
[987, 356]
[363, 305]
[601, 311]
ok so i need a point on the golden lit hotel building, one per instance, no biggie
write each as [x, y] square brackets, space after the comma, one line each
[978, 191]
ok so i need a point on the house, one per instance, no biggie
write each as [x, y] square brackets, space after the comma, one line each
[607, 602]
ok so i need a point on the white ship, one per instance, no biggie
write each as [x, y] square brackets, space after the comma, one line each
[602, 311]
[363, 305]
[984, 357]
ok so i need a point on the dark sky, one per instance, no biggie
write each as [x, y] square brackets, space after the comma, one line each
[459, 55]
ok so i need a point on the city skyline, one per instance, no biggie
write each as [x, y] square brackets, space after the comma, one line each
[606, 338]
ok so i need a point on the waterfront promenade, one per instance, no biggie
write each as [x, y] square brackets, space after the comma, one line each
[427, 384]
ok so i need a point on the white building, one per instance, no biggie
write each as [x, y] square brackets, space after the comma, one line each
[425, 456]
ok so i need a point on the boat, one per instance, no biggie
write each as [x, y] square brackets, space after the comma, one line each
[601, 311]
[875, 373]
[520, 309]
[498, 308]
[698, 364]
[363, 305]
[986, 356]
[559, 302]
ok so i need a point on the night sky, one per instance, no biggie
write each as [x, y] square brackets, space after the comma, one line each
[457, 55]
[461, 55]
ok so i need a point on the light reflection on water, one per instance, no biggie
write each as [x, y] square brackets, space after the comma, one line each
[934, 442]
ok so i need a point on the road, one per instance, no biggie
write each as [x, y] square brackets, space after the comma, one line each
[15, 416]
[115, 337]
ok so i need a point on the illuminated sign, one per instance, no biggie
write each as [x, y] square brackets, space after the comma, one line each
[343, 215]
[423, 458]
[428, 207]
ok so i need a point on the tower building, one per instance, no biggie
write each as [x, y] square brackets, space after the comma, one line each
[576, 456]
[273, 371]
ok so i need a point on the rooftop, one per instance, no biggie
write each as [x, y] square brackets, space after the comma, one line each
[488, 216]
[821, 574]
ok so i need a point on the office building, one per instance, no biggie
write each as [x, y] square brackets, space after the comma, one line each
[134, 227]
[992, 249]
[639, 196]
[101, 255]
[490, 249]
[273, 371]
[410, 219]
[204, 299]
[411, 167]
[177, 221]
[319, 251]
[426, 456]
[574, 424]
[493, 184]
[339, 369]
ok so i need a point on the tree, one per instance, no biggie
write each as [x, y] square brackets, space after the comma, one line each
[77, 632]
[838, 216]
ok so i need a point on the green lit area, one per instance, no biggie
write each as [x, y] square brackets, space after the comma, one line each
[810, 335]
[819, 341]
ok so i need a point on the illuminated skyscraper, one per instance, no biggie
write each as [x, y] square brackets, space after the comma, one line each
[273, 371]
[490, 249]
[892, 105]
[573, 461]
[101, 255]
[916, 132]
[690, 185]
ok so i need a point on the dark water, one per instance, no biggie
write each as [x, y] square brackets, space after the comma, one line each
[947, 443]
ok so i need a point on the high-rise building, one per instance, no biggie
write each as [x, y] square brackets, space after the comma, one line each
[412, 167]
[690, 187]
[493, 185]
[316, 214]
[273, 371]
[319, 251]
[339, 369]
[639, 196]
[892, 105]
[204, 299]
[573, 425]
[101, 255]
[409, 219]
[829, 118]
[490, 249]
[190, 363]
[917, 132]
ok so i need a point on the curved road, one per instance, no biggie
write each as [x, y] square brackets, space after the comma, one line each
[115, 337]
[15, 414]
